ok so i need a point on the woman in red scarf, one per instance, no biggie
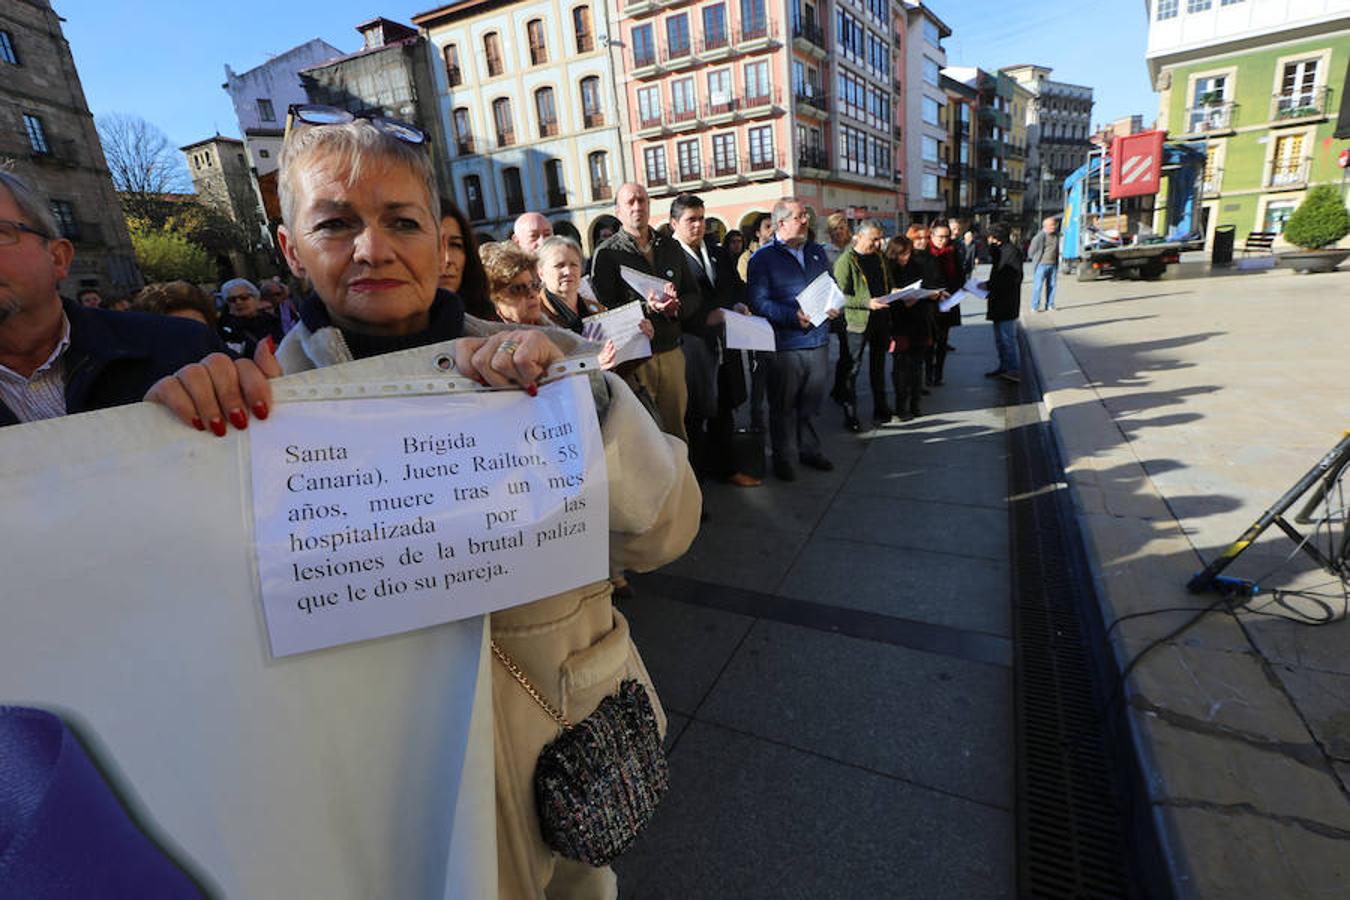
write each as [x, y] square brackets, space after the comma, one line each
[947, 275]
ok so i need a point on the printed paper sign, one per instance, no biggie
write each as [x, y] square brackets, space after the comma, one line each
[820, 297]
[910, 294]
[953, 300]
[620, 325]
[375, 517]
[748, 332]
[646, 285]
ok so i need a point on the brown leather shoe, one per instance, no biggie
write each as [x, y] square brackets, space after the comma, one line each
[740, 479]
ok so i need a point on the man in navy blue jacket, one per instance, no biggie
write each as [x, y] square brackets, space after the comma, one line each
[58, 357]
[799, 370]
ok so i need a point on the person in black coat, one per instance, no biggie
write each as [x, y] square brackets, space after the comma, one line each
[59, 357]
[945, 273]
[1005, 301]
[912, 329]
[714, 374]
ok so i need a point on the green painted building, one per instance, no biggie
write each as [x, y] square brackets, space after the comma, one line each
[1261, 83]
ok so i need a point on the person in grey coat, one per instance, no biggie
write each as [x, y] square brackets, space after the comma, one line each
[1044, 255]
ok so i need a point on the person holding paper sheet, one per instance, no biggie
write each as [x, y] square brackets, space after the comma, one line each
[559, 264]
[911, 330]
[713, 374]
[1005, 301]
[862, 274]
[799, 369]
[944, 273]
[639, 246]
[361, 224]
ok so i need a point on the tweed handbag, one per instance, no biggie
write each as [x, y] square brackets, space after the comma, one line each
[597, 785]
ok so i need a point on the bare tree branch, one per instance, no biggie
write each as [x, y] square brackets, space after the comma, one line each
[143, 163]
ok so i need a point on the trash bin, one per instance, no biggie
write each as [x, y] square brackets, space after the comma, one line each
[1221, 254]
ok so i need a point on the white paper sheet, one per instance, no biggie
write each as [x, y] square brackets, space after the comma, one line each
[910, 294]
[622, 325]
[645, 285]
[950, 302]
[130, 607]
[372, 517]
[749, 332]
[587, 290]
[972, 287]
[820, 297]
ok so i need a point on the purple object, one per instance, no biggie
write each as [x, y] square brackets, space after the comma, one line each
[63, 832]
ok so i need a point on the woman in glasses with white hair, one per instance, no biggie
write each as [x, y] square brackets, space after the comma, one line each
[362, 225]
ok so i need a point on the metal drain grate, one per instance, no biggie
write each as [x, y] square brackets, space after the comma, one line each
[1073, 812]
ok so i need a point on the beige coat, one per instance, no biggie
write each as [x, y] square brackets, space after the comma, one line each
[574, 646]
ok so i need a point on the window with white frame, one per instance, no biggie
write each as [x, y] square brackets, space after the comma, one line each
[1167, 9]
[930, 187]
[683, 101]
[649, 106]
[761, 147]
[724, 153]
[932, 111]
[931, 149]
[1195, 6]
[931, 71]
[688, 160]
[654, 162]
[757, 80]
[1298, 89]
[1277, 214]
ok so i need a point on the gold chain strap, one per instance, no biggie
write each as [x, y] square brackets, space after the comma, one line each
[529, 688]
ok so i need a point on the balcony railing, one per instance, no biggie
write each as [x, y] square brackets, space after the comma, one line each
[682, 116]
[548, 128]
[681, 51]
[724, 169]
[688, 174]
[466, 146]
[1288, 174]
[1299, 105]
[585, 43]
[515, 204]
[753, 101]
[756, 29]
[506, 138]
[657, 180]
[1211, 117]
[557, 198]
[810, 32]
[649, 121]
[644, 58]
[602, 192]
[454, 76]
[999, 117]
[813, 158]
[817, 100]
[763, 163]
[592, 119]
[721, 108]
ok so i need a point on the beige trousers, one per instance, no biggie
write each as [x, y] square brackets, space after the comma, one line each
[662, 374]
[575, 649]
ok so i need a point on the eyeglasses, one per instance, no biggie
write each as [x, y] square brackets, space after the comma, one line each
[10, 232]
[521, 291]
[316, 115]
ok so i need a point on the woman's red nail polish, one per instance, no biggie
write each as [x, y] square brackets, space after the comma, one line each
[197, 424]
[239, 419]
[532, 389]
[260, 410]
[218, 426]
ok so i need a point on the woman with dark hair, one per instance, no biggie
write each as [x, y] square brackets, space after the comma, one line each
[463, 269]
[911, 327]
[950, 276]
[178, 298]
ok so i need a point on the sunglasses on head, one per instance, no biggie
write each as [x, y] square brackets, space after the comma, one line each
[315, 115]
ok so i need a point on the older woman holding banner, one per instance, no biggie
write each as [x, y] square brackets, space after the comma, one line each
[362, 225]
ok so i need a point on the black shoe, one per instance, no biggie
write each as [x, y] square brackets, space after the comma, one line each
[914, 412]
[883, 413]
[817, 461]
[994, 373]
[852, 424]
[925, 391]
[905, 417]
[784, 471]
[951, 349]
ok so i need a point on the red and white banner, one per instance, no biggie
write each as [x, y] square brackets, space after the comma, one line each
[1136, 164]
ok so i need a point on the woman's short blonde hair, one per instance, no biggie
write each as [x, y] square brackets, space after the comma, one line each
[503, 261]
[356, 146]
[552, 246]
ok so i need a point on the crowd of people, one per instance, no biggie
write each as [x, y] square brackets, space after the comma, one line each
[387, 265]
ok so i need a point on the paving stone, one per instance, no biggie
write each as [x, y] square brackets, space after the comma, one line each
[775, 504]
[930, 719]
[966, 593]
[910, 480]
[1324, 700]
[755, 820]
[755, 558]
[918, 524]
[683, 646]
[1233, 853]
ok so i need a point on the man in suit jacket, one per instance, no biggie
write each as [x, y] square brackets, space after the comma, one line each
[713, 374]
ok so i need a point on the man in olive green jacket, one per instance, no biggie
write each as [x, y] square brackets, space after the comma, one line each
[862, 274]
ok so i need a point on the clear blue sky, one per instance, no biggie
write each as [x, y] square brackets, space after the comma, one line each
[165, 62]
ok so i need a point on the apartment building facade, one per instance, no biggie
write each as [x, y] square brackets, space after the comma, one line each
[747, 101]
[1059, 134]
[958, 181]
[925, 112]
[527, 101]
[47, 134]
[1259, 83]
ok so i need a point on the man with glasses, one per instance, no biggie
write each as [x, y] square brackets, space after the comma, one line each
[56, 356]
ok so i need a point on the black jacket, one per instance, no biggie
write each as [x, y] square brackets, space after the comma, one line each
[242, 335]
[668, 262]
[917, 323]
[115, 357]
[711, 296]
[1005, 283]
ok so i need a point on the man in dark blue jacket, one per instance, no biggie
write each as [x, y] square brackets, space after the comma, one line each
[57, 357]
[799, 370]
